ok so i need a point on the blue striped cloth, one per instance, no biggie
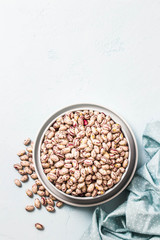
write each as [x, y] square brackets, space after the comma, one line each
[139, 216]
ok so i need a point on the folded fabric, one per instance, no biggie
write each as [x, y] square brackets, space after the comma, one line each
[139, 216]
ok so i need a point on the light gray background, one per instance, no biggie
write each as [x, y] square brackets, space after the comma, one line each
[57, 53]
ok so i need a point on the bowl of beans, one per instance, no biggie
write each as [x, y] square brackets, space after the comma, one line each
[85, 155]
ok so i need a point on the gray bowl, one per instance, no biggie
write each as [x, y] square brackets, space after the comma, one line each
[111, 193]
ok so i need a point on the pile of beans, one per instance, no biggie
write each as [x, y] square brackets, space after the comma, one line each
[84, 153]
[26, 169]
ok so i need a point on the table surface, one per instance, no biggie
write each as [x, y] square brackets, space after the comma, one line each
[58, 53]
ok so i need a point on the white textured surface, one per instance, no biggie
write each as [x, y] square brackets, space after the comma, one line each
[56, 53]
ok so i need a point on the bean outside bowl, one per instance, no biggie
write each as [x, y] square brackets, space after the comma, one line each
[109, 194]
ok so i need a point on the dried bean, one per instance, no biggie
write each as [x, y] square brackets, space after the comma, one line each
[59, 204]
[34, 188]
[27, 170]
[50, 208]
[22, 172]
[18, 183]
[38, 182]
[29, 149]
[43, 201]
[24, 178]
[90, 188]
[41, 188]
[29, 193]
[37, 203]
[17, 166]
[34, 176]
[29, 208]
[25, 164]
[50, 202]
[21, 153]
[24, 158]
[32, 167]
[27, 141]
[39, 226]
[46, 193]
[125, 163]
[41, 193]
